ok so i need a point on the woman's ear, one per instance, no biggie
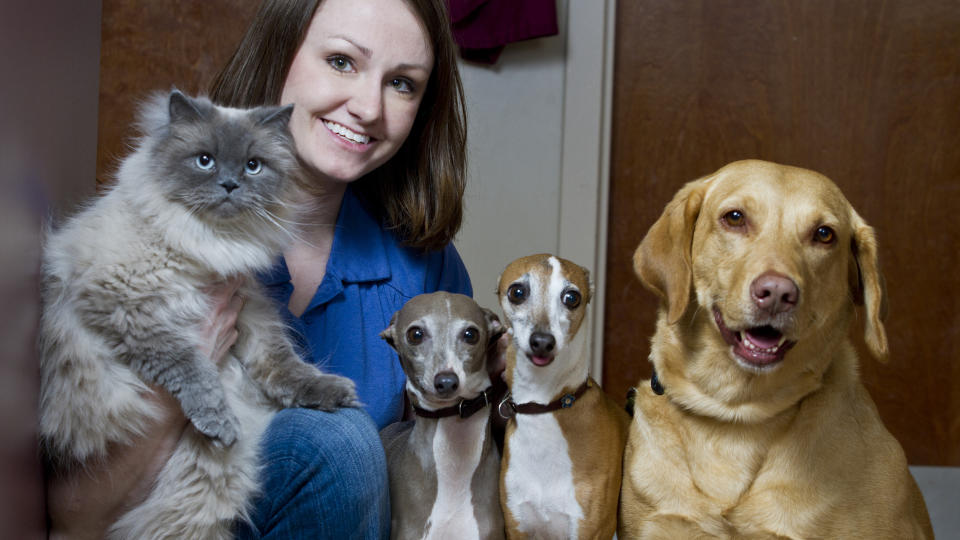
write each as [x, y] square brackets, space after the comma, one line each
[867, 286]
[663, 260]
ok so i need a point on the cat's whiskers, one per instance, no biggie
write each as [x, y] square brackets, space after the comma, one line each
[275, 220]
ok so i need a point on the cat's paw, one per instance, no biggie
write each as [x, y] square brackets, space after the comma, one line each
[327, 392]
[223, 428]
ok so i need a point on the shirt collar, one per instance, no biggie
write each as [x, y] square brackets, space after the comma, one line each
[358, 253]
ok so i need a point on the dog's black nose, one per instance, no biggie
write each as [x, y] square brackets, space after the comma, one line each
[774, 293]
[446, 383]
[542, 343]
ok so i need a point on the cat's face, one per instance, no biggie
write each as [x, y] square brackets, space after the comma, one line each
[226, 164]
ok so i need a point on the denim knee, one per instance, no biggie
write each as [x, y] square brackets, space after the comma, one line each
[324, 475]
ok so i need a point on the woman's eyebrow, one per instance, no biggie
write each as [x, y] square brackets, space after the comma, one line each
[363, 50]
[405, 67]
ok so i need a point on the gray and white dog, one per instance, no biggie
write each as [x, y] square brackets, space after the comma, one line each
[206, 195]
[444, 467]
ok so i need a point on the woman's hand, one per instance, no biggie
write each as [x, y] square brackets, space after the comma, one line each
[219, 331]
[84, 500]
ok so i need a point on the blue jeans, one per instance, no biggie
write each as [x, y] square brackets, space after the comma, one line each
[324, 476]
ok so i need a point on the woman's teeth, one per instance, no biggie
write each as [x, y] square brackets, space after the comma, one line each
[346, 133]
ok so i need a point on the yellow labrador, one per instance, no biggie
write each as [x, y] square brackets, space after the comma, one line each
[756, 424]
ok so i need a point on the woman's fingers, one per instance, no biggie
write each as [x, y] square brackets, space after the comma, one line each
[219, 332]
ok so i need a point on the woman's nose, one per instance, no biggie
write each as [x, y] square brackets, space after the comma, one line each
[366, 102]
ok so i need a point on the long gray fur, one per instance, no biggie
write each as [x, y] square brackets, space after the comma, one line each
[123, 292]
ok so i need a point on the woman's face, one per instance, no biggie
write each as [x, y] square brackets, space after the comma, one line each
[356, 83]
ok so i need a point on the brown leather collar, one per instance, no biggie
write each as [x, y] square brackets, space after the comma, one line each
[466, 407]
[566, 401]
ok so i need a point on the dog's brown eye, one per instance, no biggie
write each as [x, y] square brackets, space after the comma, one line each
[517, 293]
[415, 335]
[824, 235]
[735, 218]
[571, 299]
[471, 335]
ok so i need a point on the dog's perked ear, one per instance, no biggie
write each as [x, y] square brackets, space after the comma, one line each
[867, 285]
[390, 333]
[495, 328]
[663, 261]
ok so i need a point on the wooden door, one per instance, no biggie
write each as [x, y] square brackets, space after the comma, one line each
[865, 92]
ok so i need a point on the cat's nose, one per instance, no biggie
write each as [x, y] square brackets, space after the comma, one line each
[229, 185]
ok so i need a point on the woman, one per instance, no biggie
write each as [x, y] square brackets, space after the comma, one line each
[379, 123]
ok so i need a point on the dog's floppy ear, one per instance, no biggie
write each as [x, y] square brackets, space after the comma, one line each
[390, 333]
[663, 259]
[495, 328]
[867, 286]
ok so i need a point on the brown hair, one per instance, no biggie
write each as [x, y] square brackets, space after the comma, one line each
[419, 191]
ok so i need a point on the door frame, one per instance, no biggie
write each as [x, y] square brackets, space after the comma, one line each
[585, 157]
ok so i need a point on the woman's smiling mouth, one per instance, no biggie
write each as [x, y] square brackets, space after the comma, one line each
[346, 133]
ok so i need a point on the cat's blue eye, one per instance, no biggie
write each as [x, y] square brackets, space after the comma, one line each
[253, 166]
[404, 86]
[340, 63]
[205, 161]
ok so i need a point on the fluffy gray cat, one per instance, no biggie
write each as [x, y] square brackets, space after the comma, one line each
[202, 198]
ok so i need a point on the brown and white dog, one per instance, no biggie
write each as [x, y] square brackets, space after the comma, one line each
[444, 467]
[563, 446]
[763, 428]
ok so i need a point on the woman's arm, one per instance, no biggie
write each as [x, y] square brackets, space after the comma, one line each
[84, 500]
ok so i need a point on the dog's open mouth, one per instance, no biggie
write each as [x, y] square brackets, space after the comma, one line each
[540, 360]
[760, 346]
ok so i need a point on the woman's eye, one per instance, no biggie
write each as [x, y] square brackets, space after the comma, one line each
[340, 63]
[824, 235]
[517, 293]
[205, 161]
[471, 335]
[402, 85]
[253, 166]
[735, 218]
[415, 335]
[571, 299]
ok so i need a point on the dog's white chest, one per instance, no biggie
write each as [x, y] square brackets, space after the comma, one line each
[539, 480]
[457, 448]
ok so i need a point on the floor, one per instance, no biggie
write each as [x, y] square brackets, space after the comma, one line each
[941, 491]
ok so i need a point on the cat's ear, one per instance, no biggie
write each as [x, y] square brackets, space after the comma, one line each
[277, 116]
[183, 108]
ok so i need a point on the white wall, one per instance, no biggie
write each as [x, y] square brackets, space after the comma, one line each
[515, 118]
[538, 150]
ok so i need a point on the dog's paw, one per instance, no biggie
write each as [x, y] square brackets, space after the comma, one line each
[327, 392]
[222, 427]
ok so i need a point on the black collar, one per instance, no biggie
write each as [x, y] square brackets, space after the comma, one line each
[466, 407]
[565, 401]
[655, 384]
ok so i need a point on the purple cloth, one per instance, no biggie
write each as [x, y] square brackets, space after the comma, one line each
[482, 27]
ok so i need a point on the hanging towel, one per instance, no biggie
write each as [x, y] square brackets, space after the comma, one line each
[483, 27]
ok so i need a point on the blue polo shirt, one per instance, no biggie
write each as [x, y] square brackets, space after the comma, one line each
[370, 275]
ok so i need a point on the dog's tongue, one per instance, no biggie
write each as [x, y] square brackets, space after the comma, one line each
[763, 337]
[540, 360]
